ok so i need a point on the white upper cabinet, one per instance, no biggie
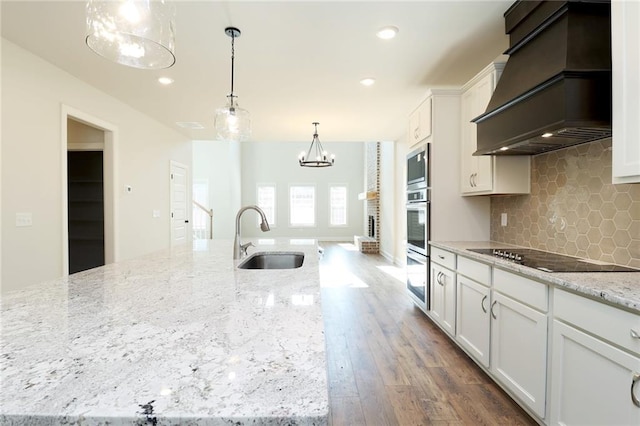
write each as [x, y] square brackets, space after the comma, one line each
[420, 123]
[625, 56]
[485, 175]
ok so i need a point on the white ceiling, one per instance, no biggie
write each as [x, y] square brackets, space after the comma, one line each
[296, 61]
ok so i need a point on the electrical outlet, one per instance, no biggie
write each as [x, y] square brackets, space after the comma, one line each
[503, 219]
[24, 219]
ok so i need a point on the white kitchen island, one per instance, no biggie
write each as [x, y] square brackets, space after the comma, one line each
[176, 337]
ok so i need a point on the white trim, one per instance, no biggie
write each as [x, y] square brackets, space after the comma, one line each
[110, 178]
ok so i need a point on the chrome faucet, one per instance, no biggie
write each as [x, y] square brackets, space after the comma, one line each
[240, 250]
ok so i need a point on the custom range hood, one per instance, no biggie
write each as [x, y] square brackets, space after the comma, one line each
[555, 90]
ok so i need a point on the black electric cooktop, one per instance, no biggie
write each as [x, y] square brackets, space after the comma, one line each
[551, 262]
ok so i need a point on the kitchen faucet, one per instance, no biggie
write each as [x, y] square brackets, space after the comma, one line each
[240, 250]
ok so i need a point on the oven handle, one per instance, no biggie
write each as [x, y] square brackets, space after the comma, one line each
[417, 257]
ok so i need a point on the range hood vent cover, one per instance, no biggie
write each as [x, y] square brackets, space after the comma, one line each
[555, 90]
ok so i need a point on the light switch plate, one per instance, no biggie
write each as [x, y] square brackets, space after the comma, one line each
[503, 219]
[156, 213]
[24, 219]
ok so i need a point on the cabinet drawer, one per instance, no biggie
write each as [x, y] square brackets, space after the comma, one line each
[527, 291]
[607, 322]
[477, 271]
[443, 257]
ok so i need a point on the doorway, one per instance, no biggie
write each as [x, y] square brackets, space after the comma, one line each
[179, 203]
[88, 197]
[85, 190]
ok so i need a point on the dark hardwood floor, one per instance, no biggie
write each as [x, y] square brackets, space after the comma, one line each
[388, 363]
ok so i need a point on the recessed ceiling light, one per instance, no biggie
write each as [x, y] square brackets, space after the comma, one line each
[504, 148]
[165, 80]
[367, 81]
[387, 33]
[547, 135]
[193, 125]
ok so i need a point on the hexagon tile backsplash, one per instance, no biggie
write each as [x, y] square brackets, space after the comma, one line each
[574, 208]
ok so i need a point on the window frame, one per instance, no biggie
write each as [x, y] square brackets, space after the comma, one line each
[346, 205]
[315, 205]
[273, 224]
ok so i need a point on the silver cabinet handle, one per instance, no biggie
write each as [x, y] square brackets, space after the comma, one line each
[475, 183]
[470, 180]
[635, 334]
[441, 256]
[482, 304]
[492, 313]
[440, 280]
[636, 379]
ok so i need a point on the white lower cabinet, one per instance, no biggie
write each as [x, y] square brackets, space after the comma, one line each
[593, 383]
[519, 350]
[595, 363]
[443, 297]
[472, 318]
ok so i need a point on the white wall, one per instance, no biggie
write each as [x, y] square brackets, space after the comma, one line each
[278, 163]
[218, 162]
[33, 93]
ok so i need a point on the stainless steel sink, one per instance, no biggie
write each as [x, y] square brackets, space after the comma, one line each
[273, 260]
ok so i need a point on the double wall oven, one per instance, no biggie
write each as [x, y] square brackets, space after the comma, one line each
[417, 210]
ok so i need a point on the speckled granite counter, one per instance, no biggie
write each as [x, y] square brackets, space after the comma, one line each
[618, 288]
[176, 337]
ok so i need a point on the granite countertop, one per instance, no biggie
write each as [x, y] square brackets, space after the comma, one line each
[175, 337]
[618, 288]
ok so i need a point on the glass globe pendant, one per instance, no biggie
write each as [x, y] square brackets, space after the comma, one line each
[232, 122]
[135, 33]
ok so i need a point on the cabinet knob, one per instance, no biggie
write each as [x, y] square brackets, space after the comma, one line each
[636, 379]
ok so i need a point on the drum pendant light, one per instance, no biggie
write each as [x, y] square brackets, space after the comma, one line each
[232, 122]
[135, 33]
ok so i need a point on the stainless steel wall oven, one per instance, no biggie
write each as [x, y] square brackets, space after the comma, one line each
[417, 211]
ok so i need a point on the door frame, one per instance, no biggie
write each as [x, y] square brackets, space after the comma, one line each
[188, 202]
[110, 182]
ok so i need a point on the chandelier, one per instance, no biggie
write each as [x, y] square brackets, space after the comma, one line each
[135, 33]
[316, 156]
[232, 122]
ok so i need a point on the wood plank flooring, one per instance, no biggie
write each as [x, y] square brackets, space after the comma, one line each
[388, 364]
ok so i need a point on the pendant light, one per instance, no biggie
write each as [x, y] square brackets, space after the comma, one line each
[316, 156]
[135, 33]
[232, 122]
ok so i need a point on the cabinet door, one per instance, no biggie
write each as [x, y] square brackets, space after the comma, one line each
[468, 163]
[477, 171]
[425, 119]
[472, 318]
[625, 61]
[592, 382]
[483, 180]
[414, 128]
[519, 350]
[443, 301]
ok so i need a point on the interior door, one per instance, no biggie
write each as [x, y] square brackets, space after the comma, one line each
[179, 206]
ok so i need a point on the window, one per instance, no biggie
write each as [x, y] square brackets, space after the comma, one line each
[338, 205]
[302, 205]
[267, 202]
